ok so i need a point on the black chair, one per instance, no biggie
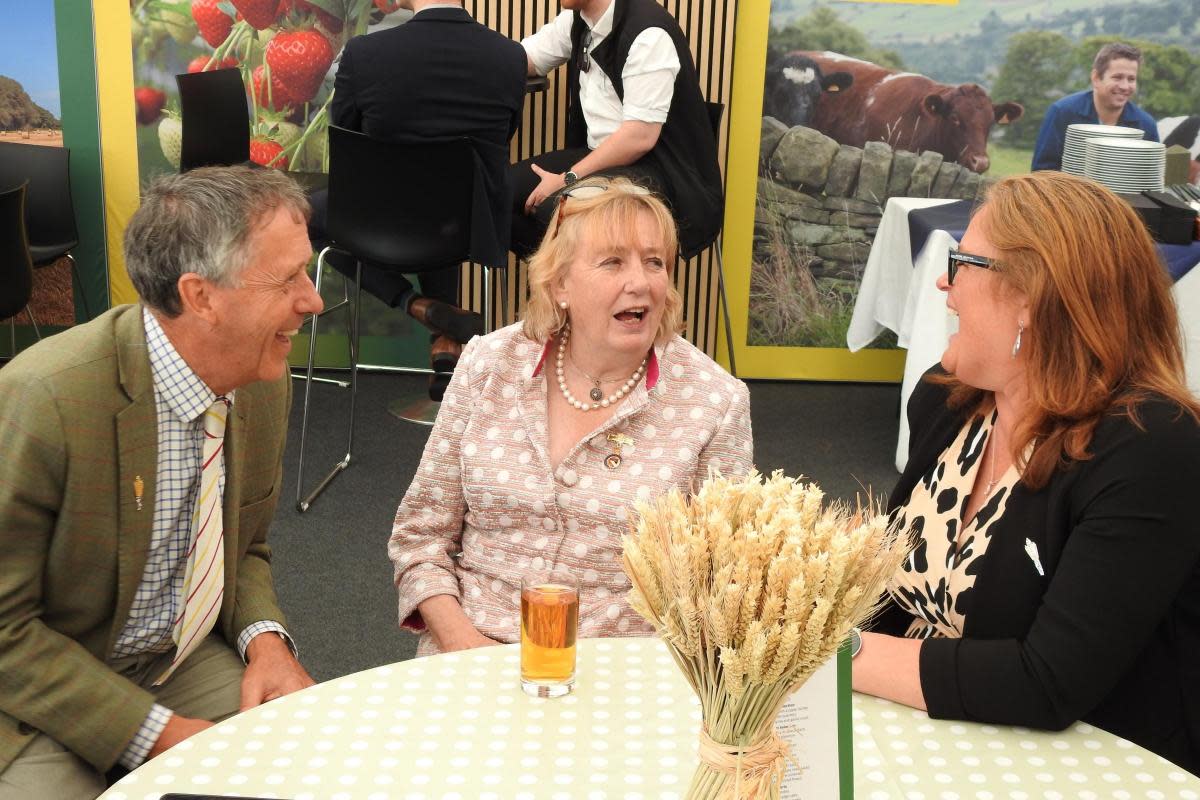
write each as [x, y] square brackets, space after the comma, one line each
[16, 265]
[49, 207]
[716, 112]
[397, 206]
[216, 121]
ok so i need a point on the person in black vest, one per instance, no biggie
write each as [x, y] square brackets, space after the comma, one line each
[438, 76]
[636, 111]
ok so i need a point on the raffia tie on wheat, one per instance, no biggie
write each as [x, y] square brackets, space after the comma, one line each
[755, 769]
[753, 585]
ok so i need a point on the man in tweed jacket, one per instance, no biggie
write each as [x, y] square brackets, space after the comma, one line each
[99, 477]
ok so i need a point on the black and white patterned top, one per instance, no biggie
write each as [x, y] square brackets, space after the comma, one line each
[936, 581]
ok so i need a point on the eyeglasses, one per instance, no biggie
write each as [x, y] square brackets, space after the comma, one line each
[589, 189]
[957, 258]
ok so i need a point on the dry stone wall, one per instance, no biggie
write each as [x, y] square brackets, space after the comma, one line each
[824, 200]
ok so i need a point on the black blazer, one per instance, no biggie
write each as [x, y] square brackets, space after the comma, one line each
[440, 75]
[1111, 633]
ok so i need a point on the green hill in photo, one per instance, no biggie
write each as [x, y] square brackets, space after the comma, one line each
[19, 112]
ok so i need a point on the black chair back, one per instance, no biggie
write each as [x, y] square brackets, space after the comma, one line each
[49, 214]
[216, 122]
[401, 205]
[16, 267]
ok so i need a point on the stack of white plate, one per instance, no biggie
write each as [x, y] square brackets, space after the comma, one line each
[1077, 135]
[1128, 166]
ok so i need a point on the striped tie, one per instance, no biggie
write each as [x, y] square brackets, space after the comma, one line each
[204, 580]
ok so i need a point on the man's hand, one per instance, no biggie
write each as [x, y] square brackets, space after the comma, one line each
[178, 728]
[551, 183]
[272, 671]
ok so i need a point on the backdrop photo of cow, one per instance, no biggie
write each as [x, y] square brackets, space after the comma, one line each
[839, 137]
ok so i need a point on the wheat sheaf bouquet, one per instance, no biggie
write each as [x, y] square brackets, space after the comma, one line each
[753, 584]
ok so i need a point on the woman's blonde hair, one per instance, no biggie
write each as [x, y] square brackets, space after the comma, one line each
[611, 215]
[1103, 330]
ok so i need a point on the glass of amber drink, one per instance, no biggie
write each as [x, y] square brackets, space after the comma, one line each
[549, 622]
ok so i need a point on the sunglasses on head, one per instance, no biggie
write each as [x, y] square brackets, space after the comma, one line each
[957, 258]
[588, 189]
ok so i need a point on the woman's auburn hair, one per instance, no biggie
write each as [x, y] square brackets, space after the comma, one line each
[1103, 331]
[611, 216]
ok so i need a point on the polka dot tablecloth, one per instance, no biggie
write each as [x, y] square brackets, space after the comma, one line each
[458, 727]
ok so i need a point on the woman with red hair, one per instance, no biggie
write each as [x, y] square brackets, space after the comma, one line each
[1054, 572]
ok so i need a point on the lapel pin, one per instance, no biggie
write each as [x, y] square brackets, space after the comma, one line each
[1032, 551]
[619, 440]
[139, 488]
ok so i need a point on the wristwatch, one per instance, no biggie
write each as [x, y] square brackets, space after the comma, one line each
[855, 642]
[570, 178]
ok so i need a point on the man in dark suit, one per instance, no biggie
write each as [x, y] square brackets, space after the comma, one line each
[142, 464]
[439, 75]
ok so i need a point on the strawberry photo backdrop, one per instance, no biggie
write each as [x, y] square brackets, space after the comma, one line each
[285, 50]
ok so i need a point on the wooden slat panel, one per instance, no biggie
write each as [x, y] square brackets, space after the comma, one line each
[709, 26]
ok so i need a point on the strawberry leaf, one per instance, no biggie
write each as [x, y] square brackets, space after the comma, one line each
[333, 7]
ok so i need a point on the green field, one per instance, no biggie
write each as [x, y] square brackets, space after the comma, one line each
[1008, 160]
[884, 23]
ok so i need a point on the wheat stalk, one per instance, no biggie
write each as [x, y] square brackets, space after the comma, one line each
[753, 583]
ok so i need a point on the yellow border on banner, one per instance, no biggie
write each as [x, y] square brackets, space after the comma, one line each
[118, 136]
[797, 363]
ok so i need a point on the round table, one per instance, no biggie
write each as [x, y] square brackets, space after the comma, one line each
[458, 726]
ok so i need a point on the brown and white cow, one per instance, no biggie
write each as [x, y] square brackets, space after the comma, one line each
[909, 112]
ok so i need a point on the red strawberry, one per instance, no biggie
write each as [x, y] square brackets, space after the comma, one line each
[200, 64]
[264, 150]
[214, 24]
[387, 6]
[299, 60]
[280, 96]
[259, 13]
[150, 102]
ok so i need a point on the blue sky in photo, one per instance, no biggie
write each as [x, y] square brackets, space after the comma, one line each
[28, 52]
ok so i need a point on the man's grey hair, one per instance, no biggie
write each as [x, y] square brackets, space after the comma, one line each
[1115, 50]
[202, 221]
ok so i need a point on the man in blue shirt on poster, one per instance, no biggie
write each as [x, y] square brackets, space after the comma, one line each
[1114, 81]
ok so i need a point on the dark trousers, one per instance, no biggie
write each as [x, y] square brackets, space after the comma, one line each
[385, 283]
[528, 229]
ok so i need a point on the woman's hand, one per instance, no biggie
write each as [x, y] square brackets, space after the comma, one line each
[890, 667]
[467, 640]
[451, 629]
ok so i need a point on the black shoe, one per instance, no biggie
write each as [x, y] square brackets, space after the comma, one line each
[457, 323]
[438, 382]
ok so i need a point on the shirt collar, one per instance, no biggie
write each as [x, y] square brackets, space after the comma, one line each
[651, 364]
[180, 388]
[438, 5]
[604, 25]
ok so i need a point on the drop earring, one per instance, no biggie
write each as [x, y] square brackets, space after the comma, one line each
[1017, 344]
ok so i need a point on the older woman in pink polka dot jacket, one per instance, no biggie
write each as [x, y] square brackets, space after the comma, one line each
[552, 428]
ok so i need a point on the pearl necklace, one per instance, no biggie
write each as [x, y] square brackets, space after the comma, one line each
[603, 402]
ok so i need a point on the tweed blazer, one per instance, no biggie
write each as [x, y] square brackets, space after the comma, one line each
[77, 425]
[485, 506]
